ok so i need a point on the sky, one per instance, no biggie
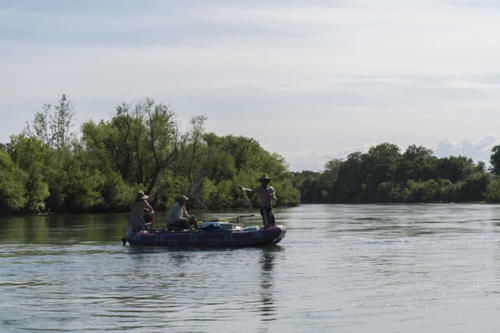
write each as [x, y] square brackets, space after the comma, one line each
[310, 80]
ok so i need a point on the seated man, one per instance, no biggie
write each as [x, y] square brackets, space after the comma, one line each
[178, 217]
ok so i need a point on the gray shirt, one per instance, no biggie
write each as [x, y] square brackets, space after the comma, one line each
[177, 213]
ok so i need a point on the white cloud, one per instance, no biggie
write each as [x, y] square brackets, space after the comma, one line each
[478, 150]
[316, 160]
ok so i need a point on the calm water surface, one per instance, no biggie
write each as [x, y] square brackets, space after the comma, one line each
[340, 268]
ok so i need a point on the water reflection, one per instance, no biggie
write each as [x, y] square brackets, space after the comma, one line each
[62, 229]
[267, 308]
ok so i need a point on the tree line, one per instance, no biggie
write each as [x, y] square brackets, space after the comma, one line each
[385, 174]
[49, 168]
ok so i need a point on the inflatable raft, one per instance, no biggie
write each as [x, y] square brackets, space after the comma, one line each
[211, 235]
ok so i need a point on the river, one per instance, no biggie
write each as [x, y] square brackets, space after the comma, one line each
[340, 268]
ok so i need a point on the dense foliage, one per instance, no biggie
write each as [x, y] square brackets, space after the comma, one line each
[48, 168]
[384, 174]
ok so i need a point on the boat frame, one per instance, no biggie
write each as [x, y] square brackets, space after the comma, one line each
[212, 238]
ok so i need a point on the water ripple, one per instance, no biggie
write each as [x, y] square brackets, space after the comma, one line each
[352, 268]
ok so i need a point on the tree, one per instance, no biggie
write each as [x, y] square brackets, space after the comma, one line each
[493, 190]
[52, 125]
[385, 175]
[378, 165]
[495, 160]
[194, 137]
[454, 168]
[330, 175]
[141, 147]
[474, 188]
[140, 143]
[308, 183]
[12, 190]
[30, 154]
[350, 179]
[417, 163]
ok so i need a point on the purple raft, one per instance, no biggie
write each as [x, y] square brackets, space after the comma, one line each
[213, 238]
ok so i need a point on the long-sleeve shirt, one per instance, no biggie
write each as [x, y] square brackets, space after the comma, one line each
[266, 194]
[177, 213]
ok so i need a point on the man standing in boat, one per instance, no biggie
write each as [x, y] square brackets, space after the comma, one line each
[266, 195]
[178, 217]
[138, 208]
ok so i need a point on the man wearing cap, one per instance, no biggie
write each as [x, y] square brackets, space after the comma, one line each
[137, 210]
[266, 195]
[178, 217]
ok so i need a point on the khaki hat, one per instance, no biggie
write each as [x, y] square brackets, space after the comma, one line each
[141, 196]
[182, 198]
[264, 177]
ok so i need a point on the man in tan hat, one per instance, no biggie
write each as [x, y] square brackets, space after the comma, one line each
[266, 195]
[137, 210]
[178, 217]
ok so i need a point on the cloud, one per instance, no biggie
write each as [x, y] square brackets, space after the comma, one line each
[316, 160]
[478, 150]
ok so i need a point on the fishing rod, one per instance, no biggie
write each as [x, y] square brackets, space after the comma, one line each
[234, 218]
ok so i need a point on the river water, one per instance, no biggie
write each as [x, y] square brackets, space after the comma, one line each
[340, 268]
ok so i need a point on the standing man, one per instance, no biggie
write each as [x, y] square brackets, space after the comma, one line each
[178, 218]
[266, 195]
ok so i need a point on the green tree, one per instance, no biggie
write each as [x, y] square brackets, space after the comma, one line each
[474, 188]
[30, 154]
[350, 179]
[378, 166]
[12, 180]
[52, 125]
[327, 180]
[308, 183]
[140, 143]
[455, 168]
[493, 190]
[495, 160]
[193, 152]
[417, 163]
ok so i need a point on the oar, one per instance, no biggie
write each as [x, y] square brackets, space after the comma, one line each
[234, 218]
